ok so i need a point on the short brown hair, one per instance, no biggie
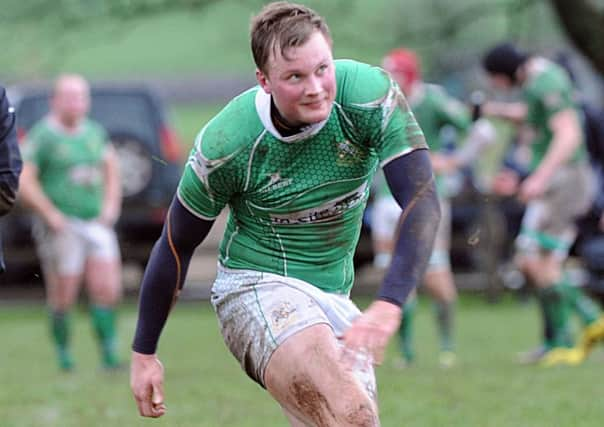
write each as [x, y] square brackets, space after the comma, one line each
[282, 25]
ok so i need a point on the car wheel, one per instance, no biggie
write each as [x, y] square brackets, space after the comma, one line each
[136, 164]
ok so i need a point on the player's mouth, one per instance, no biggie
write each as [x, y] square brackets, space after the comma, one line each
[315, 105]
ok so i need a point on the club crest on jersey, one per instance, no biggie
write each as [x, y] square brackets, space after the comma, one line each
[348, 153]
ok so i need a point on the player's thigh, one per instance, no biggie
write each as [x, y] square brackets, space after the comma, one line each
[103, 265]
[384, 218]
[440, 284]
[308, 377]
[62, 260]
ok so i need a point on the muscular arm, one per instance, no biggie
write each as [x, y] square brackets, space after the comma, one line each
[165, 273]
[412, 184]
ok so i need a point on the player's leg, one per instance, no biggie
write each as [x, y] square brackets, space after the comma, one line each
[565, 206]
[103, 281]
[439, 283]
[547, 332]
[405, 331]
[385, 216]
[62, 264]
[307, 376]
[283, 332]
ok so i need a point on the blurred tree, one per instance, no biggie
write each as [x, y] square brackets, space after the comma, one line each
[583, 21]
[436, 25]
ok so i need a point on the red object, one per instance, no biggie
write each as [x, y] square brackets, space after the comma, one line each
[405, 62]
[21, 135]
[170, 145]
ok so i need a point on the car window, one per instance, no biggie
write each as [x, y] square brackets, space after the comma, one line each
[126, 114]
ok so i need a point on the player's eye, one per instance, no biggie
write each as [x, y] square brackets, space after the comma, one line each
[321, 70]
[294, 77]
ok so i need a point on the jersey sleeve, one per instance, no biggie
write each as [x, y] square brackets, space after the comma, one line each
[451, 111]
[383, 117]
[547, 98]
[208, 182]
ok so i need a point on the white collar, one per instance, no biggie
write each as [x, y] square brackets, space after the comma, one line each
[263, 107]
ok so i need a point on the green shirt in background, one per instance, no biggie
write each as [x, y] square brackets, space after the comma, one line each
[547, 91]
[70, 166]
[296, 203]
[433, 109]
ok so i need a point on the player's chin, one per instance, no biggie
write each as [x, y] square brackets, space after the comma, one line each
[315, 115]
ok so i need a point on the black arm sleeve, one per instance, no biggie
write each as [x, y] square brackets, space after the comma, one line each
[411, 181]
[10, 156]
[165, 273]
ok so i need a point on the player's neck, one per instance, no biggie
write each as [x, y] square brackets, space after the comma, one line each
[281, 124]
[65, 126]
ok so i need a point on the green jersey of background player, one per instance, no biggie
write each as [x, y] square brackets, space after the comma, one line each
[293, 159]
[70, 167]
[71, 180]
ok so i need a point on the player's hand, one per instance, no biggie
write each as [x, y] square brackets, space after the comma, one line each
[532, 187]
[109, 216]
[147, 384]
[56, 221]
[371, 331]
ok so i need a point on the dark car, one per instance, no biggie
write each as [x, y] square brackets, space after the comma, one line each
[151, 163]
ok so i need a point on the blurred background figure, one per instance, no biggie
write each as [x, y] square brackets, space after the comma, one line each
[10, 160]
[71, 181]
[433, 109]
[550, 126]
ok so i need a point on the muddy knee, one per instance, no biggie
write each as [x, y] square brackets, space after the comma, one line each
[353, 408]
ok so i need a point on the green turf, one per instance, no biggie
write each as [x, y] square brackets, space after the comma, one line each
[205, 387]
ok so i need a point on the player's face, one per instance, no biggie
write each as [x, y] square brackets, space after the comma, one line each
[71, 100]
[500, 81]
[303, 85]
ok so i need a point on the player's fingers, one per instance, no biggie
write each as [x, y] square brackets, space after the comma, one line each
[143, 401]
[158, 394]
[157, 400]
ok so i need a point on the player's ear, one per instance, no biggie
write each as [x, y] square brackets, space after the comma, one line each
[263, 81]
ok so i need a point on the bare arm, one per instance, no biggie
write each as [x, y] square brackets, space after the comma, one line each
[567, 137]
[515, 112]
[112, 199]
[33, 196]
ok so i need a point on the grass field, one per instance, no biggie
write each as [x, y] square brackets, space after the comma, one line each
[205, 387]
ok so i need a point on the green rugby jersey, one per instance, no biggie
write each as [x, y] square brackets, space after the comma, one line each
[547, 91]
[433, 108]
[296, 202]
[70, 166]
